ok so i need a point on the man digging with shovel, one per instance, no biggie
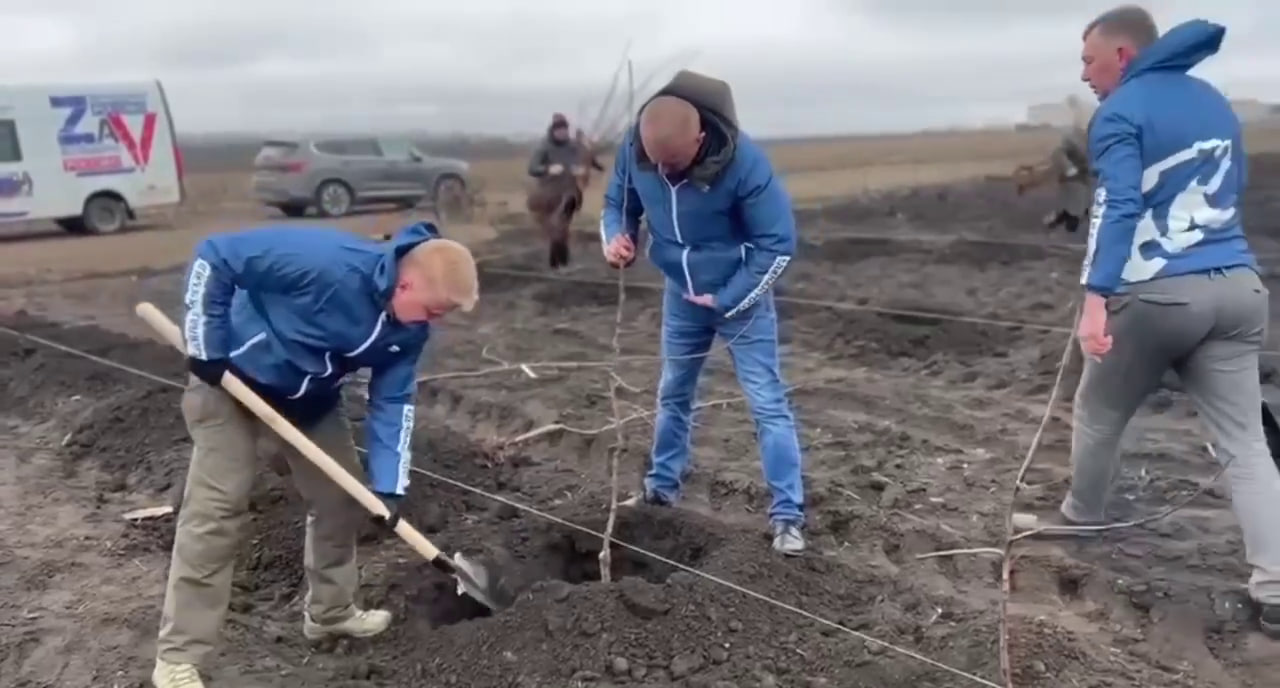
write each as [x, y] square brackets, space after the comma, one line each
[291, 312]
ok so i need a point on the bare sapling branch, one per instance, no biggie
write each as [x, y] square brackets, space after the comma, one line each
[619, 440]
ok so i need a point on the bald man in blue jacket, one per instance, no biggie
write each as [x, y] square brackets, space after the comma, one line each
[721, 230]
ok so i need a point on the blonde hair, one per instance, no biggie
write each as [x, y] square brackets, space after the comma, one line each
[450, 267]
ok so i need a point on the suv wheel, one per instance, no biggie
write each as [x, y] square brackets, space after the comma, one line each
[333, 199]
[451, 199]
[450, 189]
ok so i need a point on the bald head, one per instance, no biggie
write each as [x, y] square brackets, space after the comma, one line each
[671, 132]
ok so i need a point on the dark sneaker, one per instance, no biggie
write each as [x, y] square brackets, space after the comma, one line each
[1071, 223]
[788, 539]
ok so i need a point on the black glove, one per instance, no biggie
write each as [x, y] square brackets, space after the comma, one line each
[392, 502]
[210, 372]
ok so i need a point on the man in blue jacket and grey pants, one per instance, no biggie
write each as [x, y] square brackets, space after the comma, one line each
[292, 312]
[721, 230]
[1169, 278]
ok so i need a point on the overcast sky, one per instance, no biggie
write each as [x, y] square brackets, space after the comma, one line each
[501, 66]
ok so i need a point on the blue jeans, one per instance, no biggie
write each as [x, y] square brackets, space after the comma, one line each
[688, 331]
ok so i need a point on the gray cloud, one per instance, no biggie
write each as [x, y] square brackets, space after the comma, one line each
[501, 66]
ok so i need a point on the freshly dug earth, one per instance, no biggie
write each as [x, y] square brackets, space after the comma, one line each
[913, 428]
[649, 626]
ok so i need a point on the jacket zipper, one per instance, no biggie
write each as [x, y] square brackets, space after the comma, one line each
[328, 361]
[675, 224]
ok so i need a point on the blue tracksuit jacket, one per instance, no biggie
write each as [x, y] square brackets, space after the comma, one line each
[1171, 167]
[297, 309]
[731, 235]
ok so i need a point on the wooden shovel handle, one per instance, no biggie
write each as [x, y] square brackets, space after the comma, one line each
[313, 453]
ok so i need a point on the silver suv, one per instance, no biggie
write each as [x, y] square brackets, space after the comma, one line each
[335, 175]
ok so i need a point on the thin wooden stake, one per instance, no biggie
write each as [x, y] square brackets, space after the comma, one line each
[619, 447]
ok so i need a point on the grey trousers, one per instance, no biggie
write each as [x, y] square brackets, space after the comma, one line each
[1209, 328]
[215, 513]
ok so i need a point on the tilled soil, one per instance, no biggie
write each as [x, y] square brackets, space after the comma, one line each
[913, 428]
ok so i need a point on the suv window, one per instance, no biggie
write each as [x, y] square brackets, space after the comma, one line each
[10, 149]
[364, 147]
[351, 147]
[397, 149]
[274, 150]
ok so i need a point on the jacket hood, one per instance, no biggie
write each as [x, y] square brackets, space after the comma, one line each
[1179, 49]
[550, 139]
[384, 275]
[713, 99]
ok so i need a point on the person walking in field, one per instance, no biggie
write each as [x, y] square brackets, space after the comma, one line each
[559, 169]
[1070, 163]
[721, 230]
[1170, 280]
[292, 312]
[1068, 168]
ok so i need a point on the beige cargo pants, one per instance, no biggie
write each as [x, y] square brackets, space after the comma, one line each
[215, 511]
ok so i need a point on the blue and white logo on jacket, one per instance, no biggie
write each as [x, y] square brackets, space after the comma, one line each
[1167, 150]
[1191, 215]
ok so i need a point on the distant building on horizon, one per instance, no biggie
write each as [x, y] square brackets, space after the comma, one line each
[1060, 114]
[1049, 115]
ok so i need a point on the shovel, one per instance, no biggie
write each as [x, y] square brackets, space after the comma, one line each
[473, 580]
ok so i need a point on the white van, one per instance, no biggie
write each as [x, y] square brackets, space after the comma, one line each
[87, 156]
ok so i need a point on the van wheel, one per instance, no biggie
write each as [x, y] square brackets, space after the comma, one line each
[104, 215]
[333, 199]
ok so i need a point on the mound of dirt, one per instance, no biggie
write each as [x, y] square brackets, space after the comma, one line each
[128, 431]
[657, 625]
[653, 626]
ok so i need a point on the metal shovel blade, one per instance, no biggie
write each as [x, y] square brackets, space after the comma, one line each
[475, 581]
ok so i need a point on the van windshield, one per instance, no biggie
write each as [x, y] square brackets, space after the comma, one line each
[10, 151]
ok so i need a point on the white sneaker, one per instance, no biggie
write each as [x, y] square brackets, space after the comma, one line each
[170, 675]
[365, 623]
